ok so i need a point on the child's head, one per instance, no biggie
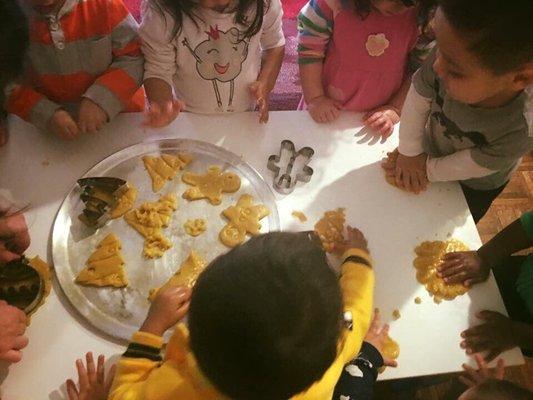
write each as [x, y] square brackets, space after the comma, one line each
[386, 7]
[485, 49]
[265, 318]
[13, 41]
[494, 389]
[248, 13]
[45, 6]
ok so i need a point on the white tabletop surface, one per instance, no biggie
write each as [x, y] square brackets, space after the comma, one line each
[347, 174]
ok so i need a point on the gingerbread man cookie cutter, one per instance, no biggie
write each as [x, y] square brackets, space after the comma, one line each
[290, 166]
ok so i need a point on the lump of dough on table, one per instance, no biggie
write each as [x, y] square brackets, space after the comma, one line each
[330, 229]
[429, 257]
[390, 350]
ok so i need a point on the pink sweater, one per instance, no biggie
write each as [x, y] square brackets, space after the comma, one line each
[364, 60]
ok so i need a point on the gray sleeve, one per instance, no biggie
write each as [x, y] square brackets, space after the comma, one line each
[424, 78]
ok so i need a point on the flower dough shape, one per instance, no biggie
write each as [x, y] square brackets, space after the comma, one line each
[376, 44]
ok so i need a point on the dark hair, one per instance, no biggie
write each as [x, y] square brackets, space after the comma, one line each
[179, 9]
[13, 41]
[495, 389]
[498, 31]
[364, 7]
[266, 317]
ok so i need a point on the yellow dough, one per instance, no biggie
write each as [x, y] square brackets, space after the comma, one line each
[429, 257]
[125, 202]
[299, 216]
[330, 229]
[211, 185]
[155, 245]
[396, 314]
[186, 275]
[105, 267]
[163, 169]
[243, 218]
[195, 227]
[148, 219]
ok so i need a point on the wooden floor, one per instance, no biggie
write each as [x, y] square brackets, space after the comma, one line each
[512, 202]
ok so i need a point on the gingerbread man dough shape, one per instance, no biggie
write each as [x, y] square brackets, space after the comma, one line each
[211, 185]
[243, 218]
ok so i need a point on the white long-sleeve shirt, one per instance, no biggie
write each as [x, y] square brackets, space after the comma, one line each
[209, 64]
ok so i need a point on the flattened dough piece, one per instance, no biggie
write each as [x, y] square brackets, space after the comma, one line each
[149, 219]
[125, 202]
[330, 229]
[390, 350]
[429, 257]
[195, 227]
[299, 216]
[186, 275]
[210, 185]
[163, 169]
[243, 218]
[105, 266]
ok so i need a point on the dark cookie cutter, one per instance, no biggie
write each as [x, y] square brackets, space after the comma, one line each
[283, 182]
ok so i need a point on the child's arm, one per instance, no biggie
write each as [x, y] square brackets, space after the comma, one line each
[357, 286]
[113, 90]
[273, 47]
[140, 368]
[159, 67]
[315, 27]
[359, 375]
[30, 105]
[471, 267]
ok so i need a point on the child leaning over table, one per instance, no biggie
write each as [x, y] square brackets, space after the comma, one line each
[468, 116]
[216, 56]
[85, 66]
[265, 320]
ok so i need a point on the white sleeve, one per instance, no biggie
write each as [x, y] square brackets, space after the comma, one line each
[272, 32]
[458, 166]
[413, 121]
[157, 45]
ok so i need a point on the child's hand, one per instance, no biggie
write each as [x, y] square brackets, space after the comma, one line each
[260, 94]
[167, 309]
[377, 336]
[464, 267]
[495, 335]
[473, 377]
[382, 120]
[62, 125]
[92, 381]
[411, 173]
[91, 117]
[159, 116]
[354, 240]
[323, 109]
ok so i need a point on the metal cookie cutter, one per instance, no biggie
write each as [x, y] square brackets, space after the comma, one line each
[285, 175]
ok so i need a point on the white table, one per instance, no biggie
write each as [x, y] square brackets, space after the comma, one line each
[347, 174]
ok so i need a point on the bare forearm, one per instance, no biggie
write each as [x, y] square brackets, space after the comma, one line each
[398, 98]
[523, 334]
[270, 66]
[311, 78]
[510, 240]
[158, 91]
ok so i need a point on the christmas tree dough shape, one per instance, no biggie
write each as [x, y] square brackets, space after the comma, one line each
[429, 257]
[186, 275]
[243, 218]
[125, 202]
[164, 168]
[210, 185]
[105, 266]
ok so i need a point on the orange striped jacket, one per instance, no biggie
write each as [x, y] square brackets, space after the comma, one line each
[89, 48]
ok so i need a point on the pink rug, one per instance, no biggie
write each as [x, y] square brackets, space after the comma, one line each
[287, 92]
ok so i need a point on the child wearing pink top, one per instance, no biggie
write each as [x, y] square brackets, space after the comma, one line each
[355, 55]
